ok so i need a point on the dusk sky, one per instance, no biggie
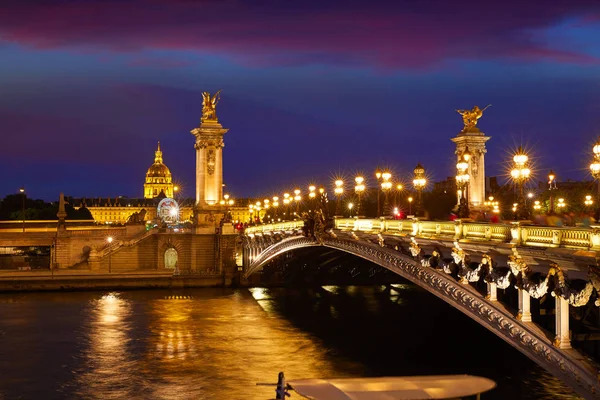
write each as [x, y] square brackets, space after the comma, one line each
[311, 89]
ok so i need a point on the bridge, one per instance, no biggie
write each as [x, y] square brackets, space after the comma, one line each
[483, 270]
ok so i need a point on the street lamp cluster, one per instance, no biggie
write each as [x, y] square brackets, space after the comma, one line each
[520, 174]
[385, 184]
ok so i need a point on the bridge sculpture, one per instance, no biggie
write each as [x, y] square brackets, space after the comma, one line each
[465, 264]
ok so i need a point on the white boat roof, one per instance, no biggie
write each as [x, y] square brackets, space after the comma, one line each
[393, 388]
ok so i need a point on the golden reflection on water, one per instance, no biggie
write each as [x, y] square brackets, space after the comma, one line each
[201, 347]
[108, 361]
[219, 348]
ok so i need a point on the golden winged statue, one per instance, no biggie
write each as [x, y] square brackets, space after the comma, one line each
[209, 106]
[470, 118]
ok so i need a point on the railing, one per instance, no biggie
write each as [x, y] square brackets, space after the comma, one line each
[515, 232]
[111, 248]
[278, 227]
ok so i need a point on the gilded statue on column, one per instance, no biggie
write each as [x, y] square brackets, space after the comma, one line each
[470, 118]
[209, 106]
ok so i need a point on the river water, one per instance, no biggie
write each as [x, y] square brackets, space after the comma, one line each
[218, 343]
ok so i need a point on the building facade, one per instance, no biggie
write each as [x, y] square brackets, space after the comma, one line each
[158, 178]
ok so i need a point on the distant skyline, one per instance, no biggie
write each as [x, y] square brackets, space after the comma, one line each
[310, 89]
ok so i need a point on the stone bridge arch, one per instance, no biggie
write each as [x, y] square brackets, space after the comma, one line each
[569, 365]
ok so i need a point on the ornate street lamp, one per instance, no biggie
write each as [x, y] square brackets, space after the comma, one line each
[399, 188]
[595, 170]
[520, 174]
[359, 188]
[462, 183]
[386, 185]
[350, 206]
[419, 183]
[551, 187]
[378, 175]
[109, 240]
[275, 204]
[588, 200]
[23, 195]
[339, 191]
[297, 199]
[286, 203]
[410, 200]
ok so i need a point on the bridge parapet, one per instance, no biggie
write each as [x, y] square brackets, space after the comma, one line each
[277, 227]
[517, 233]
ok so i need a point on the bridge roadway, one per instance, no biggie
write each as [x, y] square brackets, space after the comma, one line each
[453, 259]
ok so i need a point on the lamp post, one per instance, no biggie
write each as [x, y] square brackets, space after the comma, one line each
[520, 174]
[595, 170]
[561, 204]
[378, 175]
[350, 206]
[339, 191]
[311, 197]
[399, 188]
[386, 185]
[297, 199]
[286, 203]
[410, 200]
[359, 188]
[109, 240]
[494, 205]
[227, 203]
[23, 195]
[462, 183]
[257, 207]
[551, 187]
[275, 204]
[419, 183]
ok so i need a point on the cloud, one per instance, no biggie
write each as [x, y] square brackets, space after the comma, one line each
[406, 35]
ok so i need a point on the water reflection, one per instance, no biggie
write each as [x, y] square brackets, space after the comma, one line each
[217, 343]
[107, 359]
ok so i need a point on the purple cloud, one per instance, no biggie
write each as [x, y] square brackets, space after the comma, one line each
[408, 35]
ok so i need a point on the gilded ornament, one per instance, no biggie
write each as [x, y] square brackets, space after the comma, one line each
[209, 106]
[470, 118]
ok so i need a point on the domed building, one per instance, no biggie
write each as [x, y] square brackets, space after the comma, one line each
[158, 178]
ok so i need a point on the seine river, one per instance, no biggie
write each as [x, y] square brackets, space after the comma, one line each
[218, 343]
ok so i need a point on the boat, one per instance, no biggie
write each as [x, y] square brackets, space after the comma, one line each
[427, 387]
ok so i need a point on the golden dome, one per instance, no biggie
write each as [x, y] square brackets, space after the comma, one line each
[158, 170]
[158, 178]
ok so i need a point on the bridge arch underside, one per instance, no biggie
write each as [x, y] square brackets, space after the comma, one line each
[320, 265]
[572, 367]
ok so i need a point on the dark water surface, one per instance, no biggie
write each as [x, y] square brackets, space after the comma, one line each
[217, 343]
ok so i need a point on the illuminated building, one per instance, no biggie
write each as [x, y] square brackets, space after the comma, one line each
[157, 185]
[158, 178]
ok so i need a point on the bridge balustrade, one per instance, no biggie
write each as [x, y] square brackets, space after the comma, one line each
[515, 232]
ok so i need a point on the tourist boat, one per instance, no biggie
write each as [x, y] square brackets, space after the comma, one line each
[426, 387]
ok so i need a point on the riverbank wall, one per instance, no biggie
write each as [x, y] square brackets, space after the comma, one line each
[61, 282]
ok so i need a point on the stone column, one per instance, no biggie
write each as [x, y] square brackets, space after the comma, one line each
[562, 339]
[209, 163]
[475, 141]
[524, 306]
[200, 168]
[492, 290]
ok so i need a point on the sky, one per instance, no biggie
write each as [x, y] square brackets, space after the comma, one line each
[312, 89]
